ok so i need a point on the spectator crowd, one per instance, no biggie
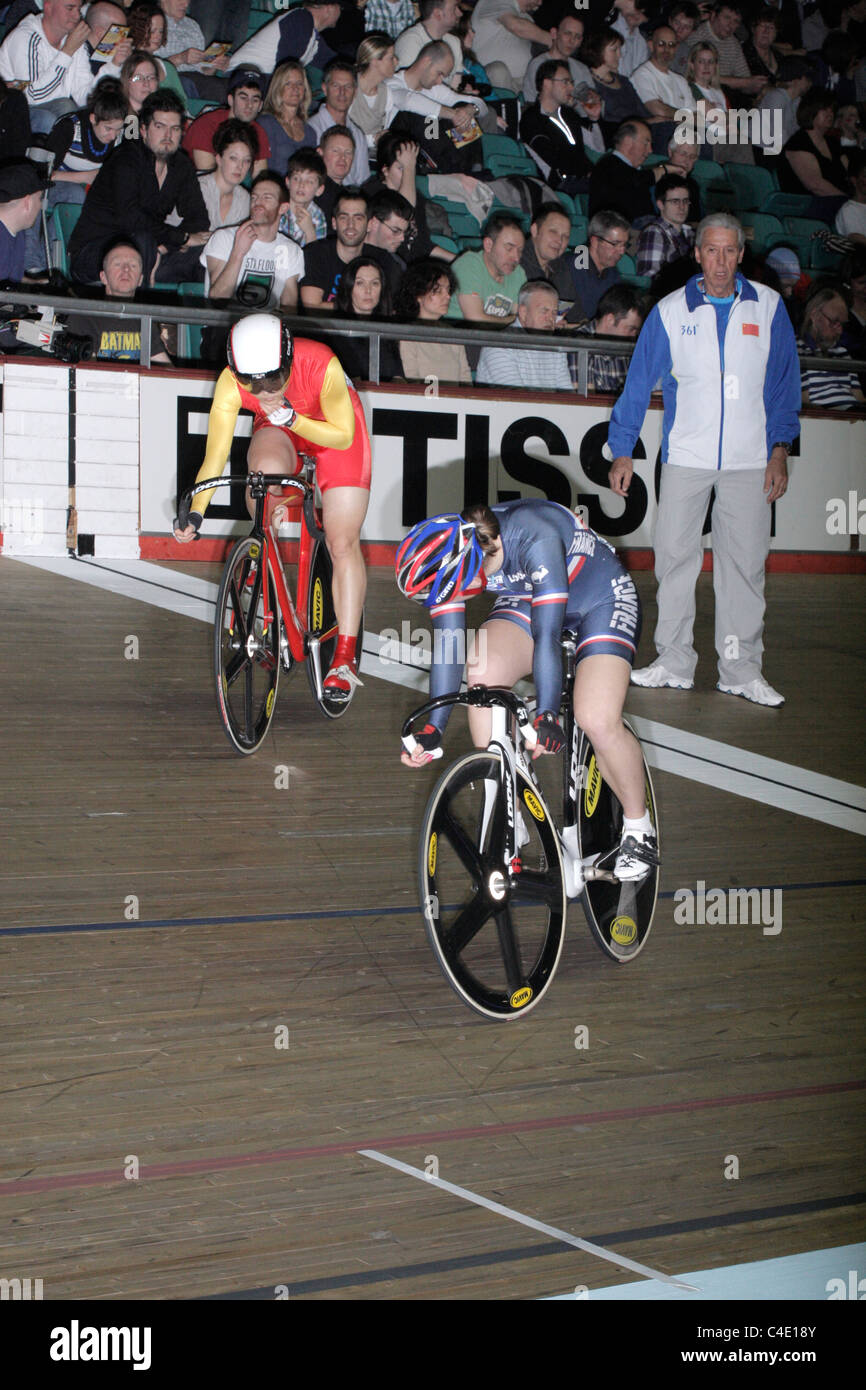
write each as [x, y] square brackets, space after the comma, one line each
[524, 163]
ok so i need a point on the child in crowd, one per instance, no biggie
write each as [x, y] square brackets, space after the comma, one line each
[305, 222]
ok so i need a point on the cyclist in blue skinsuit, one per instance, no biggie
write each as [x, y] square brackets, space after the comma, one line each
[548, 572]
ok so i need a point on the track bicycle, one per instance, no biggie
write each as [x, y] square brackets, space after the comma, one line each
[496, 873]
[259, 628]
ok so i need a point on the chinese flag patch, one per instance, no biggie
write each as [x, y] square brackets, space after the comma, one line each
[751, 328]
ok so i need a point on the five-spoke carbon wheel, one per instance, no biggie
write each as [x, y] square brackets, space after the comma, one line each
[496, 928]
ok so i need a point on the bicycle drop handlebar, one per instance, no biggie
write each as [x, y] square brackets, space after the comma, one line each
[479, 697]
[258, 484]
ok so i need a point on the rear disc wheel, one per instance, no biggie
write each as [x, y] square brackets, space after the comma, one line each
[620, 914]
[322, 624]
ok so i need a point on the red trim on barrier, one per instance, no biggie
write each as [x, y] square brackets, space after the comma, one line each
[213, 549]
[778, 561]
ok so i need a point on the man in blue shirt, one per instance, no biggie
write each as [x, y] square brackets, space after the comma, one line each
[21, 193]
[725, 351]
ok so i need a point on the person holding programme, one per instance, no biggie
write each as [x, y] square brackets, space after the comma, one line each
[49, 52]
[725, 351]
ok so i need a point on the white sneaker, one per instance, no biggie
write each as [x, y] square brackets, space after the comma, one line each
[521, 833]
[638, 852]
[656, 675]
[758, 691]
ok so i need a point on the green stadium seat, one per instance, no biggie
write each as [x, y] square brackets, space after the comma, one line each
[706, 172]
[579, 232]
[640, 282]
[260, 15]
[626, 265]
[753, 185]
[788, 204]
[823, 259]
[766, 231]
[721, 197]
[805, 226]
[63, 219]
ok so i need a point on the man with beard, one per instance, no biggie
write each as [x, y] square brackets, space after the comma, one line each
[325, 261]
[254, 263]
[138, 187]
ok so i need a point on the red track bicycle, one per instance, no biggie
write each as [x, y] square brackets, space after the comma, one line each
[259, 628]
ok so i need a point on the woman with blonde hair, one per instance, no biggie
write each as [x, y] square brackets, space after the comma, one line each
[702, 75]
[373, 108]
[284, 114]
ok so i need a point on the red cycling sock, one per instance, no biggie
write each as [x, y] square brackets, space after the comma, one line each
[345, 653]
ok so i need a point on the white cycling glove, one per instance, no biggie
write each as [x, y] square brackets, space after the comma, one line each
[284, 416]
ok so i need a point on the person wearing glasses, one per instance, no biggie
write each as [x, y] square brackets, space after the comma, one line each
[607, 238]
[663, 92]
[139, 78]
[553, 131]
[824, 321]
[302, 403]
[669, 236]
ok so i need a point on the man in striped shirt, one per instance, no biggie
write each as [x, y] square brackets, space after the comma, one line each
[389, 16]
[824, 322]
[534, 369]
[50, 53]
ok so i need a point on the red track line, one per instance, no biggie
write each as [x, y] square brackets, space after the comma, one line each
[404, 1141]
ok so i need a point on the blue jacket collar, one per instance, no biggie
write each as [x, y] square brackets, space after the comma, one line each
[695, 298]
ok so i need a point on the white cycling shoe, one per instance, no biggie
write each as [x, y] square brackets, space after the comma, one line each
[638, 853]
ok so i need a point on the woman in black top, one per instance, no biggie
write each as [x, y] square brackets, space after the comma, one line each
[758, 50]
[363, 294]
[601, 51]
[813, 160]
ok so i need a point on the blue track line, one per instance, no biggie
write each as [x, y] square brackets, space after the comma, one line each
[334, 913]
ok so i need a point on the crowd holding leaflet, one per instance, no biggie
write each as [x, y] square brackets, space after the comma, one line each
[322, 178]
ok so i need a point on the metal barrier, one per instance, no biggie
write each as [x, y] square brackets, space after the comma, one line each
[189, 312]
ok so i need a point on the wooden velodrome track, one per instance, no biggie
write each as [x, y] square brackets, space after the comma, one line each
[153, 1040]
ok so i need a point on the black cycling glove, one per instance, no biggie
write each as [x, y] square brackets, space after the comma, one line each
[551, 736]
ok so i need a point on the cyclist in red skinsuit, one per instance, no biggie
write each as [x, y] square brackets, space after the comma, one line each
[299, 395]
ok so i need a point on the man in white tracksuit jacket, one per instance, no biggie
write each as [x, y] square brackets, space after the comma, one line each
[725, 352]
